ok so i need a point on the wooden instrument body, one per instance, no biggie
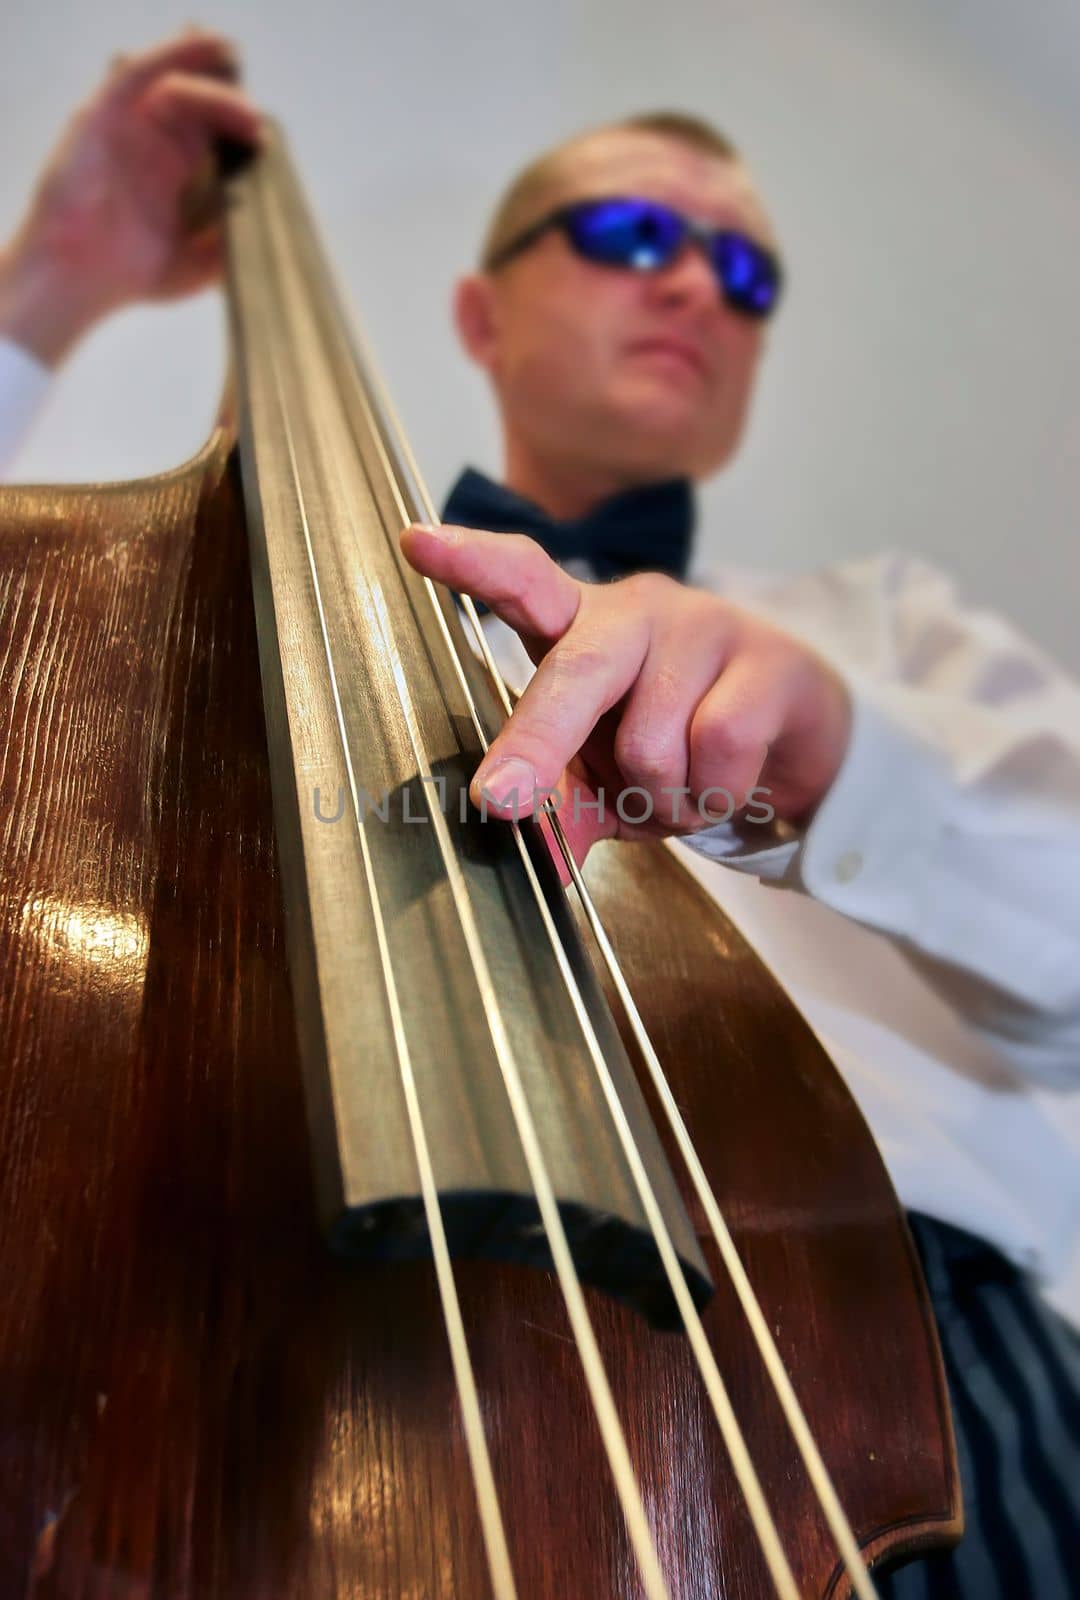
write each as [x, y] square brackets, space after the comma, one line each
[197, 1401]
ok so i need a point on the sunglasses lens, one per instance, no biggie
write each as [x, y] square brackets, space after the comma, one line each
[625, 233]
[749, 274]
[645, 236]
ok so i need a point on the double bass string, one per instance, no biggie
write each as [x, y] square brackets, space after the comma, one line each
[742, 1462]
[828, 1499]
[603, 1402]
[760, 1514]
[491, 1522]
[585, 1339]
[817, 1472]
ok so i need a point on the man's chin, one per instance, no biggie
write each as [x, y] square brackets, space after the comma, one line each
[665, 422]
[667, 446]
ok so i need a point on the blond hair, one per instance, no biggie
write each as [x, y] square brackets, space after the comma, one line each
[529, 194]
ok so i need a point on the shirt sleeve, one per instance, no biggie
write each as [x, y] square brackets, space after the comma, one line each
[954, 822]
[24, 381]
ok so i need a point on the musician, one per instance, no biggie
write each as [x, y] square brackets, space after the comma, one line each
[917, 887]
[880, 783]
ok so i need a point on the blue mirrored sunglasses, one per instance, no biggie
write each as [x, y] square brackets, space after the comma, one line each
[645, 236]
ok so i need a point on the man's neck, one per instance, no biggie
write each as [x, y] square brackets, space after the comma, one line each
[565, 490]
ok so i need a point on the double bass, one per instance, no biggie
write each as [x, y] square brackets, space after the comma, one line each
[380, 1220]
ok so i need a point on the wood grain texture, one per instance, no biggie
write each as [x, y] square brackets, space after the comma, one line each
[197, 1402]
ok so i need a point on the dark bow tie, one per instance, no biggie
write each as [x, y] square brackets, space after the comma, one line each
[641, 530]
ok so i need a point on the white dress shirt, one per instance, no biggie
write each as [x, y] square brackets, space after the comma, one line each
[927, 923]
[24, 382]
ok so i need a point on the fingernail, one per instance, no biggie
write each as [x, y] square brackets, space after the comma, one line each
[509, 782]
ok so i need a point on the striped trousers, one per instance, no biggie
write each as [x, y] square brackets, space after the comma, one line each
[1013, 1369]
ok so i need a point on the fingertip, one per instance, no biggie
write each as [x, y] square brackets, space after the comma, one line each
[506, 786]
[204, 34]
[422, 541]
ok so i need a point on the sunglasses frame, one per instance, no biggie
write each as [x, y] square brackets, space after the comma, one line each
[697, 231]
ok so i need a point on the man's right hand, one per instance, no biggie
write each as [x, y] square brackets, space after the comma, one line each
[112, 219]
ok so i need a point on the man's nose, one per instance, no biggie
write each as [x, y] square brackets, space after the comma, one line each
[689, 278]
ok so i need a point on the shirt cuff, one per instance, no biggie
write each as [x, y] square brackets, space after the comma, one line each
[765, 850]
[24, 381]
[875, 833]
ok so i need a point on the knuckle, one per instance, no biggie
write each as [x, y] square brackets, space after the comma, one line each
[577, 663]
[498, 588]
[513, 576]
[730, 736]
[525, 579]
[648, 757]
[650, 589]
[529, 592]
[571, 688]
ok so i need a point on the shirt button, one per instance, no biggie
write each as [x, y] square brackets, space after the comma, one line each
[848, 866]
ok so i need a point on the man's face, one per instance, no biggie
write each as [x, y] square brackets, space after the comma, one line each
[634, 375]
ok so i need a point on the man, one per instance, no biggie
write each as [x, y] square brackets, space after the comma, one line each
[920, 763]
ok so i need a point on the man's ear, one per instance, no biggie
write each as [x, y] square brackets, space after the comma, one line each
[474, 318]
